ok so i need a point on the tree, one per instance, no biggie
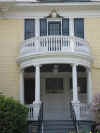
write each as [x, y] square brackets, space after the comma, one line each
[13, 116]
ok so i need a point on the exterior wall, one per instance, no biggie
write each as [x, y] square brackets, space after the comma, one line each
[11, 34]
[92, 34]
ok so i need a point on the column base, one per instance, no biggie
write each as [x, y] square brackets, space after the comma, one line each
[36, 110]
[76, 106]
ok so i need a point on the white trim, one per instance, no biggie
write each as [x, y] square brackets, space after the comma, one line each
[89, 85]
[55, 59]
[40, 10]
[21, 88]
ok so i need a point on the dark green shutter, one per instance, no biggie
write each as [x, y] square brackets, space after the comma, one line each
[65, 26]
[29, 28]
[79, 27]
[43, 27]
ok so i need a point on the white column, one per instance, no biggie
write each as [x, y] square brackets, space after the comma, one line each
[89, 85]
[37, 32]
[75, 87]
[37, 84]
[71, 33]
[75, 102]
[21, 89]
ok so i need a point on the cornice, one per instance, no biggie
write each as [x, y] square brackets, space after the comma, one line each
[19, 9]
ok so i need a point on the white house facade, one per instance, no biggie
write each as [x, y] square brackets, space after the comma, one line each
[54, 59]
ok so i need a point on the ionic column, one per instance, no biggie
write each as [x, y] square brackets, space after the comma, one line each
[89, 85]
[37, 84]
[75, 102]
[21, 88]
[75, 87]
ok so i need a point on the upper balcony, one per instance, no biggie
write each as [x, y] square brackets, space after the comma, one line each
[54, 44]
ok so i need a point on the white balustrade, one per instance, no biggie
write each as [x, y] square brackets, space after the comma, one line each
[85, 112]
[54, 44]
[81, 46]
[33, 111]
[84, 109]
[30, 112]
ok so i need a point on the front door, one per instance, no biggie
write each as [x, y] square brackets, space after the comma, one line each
[54, 99]
[54, 28]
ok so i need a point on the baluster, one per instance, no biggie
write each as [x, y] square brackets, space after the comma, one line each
[49, 43]
[55, 43]
[52, 42]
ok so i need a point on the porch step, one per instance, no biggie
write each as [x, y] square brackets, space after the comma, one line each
[65, 126]
[58, 126]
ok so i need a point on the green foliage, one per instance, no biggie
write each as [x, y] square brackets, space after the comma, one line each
[13, 116]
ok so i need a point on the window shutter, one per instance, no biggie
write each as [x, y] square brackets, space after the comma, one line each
[65, 26]
[29, 28]
[79, 27]
[43, 27]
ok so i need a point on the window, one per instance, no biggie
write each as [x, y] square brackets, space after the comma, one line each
[43, 27]
[65, 27]
[82, 85]
[29, 28]
[54, 27]
[79, 27]
[54, 85]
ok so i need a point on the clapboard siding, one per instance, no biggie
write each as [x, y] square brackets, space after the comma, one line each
[11, 34]
[92, 34]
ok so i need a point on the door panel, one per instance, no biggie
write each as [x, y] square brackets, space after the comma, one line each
[54, 28]
[54, 100]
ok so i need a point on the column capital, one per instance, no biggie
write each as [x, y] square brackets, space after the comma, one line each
[37, 65]
[74, 64]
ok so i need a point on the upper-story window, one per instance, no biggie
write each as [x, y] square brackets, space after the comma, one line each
[29, 28]
[79, 27]
[54, 27]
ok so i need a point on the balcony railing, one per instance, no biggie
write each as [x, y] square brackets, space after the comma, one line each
[52, 44]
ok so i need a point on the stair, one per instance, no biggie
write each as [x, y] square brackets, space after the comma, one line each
[65, 126]
[59, 126]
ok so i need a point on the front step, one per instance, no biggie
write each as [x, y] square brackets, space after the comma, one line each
[65, 126]
[59, 126]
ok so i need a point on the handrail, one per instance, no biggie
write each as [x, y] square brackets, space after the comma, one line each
[73, 116]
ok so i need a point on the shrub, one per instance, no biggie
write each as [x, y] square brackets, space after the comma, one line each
[96, 109]
[13, 116]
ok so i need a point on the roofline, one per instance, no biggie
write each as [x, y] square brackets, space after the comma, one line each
[97, 3]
